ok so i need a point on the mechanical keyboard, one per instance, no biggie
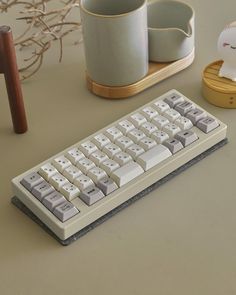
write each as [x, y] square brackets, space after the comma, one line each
[76, 187]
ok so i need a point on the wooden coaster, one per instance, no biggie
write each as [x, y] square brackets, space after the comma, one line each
[218, 91]
[157, 72]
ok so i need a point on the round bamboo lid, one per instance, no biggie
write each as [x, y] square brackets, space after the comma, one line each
[218, 91]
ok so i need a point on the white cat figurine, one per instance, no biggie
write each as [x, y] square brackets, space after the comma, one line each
[227, 50]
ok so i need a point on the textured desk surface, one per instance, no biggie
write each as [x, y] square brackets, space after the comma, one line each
[180, 239]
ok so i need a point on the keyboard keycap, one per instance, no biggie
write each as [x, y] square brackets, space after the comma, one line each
[161, 106]
[122, 158]
[125, 126]
[136, 135]
[173, 99]
[107, 185]
[147, 143]
[126, 173]
[171, 115]
[184, 123]
[124, 142]
[160, 121]
[91, 195]
[85, 165]
[186, 137]
[88, 148]
[137, 119]
[47, 171]
[74, 155]
[109, 166]
[153, 157]
[98, 157]
[196, 115]
[31, 180]
[159, 136]
[70, 191]
[148, 128]
[171, 129]
[111, 149]
[184, 107]
[61, 163]
[83, 182]
[65, 211]
[96, 174]
[173, 145]
[207, 124]
[42, 190]
[72, 173]
[135, 150]
[58, 180]
[113, 133]
[101, 140]
[149, 112]
[53, 200]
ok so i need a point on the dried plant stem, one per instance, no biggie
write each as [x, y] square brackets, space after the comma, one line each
[43, 26]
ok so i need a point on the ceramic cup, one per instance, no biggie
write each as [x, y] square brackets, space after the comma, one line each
[170, 30]
[115, 40]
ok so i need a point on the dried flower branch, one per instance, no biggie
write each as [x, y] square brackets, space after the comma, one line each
[43, 26]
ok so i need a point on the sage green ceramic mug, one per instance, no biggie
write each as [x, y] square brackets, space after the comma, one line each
[115, 40]
[170, 30]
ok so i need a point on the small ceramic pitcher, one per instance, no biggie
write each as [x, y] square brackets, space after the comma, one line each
[170, 30]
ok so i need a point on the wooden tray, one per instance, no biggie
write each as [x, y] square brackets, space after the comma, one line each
[218, 91]
[157, 72]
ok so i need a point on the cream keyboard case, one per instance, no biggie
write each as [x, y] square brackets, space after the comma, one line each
[82, 186]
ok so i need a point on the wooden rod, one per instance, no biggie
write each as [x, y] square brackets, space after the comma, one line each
[8, 66]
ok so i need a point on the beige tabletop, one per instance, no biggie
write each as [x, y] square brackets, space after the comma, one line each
[179, 240]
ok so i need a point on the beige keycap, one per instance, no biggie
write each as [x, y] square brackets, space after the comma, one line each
[113, 133]
[70, 191]
[153, 157]
[74, 155]
[101, 140]
[61, 163]
[88, 148]
[126, 173]
[137, 119]
[96, 174]
[72, 173]
[47, 171]
[109, 166]
[111, 149]
[98, 157]
[149, 113]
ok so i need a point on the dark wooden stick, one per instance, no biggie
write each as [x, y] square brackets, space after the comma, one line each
[8, 66]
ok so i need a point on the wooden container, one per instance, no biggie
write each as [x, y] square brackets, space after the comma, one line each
[157, 72]
[218, 91]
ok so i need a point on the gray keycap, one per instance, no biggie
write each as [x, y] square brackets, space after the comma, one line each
[173, 99]
[65, 211]
[31, 180]
[195, 115]
[91, 195]
[53, 200]
[107, 185]
[186, 137]
[184, 107]
[173, 145]
[207, 124]
[42, 190]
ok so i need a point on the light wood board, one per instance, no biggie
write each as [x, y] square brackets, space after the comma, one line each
[156, 73]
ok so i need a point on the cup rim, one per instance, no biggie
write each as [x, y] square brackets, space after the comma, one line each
[111, 16]
[171, 1]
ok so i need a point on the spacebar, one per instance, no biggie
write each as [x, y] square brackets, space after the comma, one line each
[154, 156]
[126, 173]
